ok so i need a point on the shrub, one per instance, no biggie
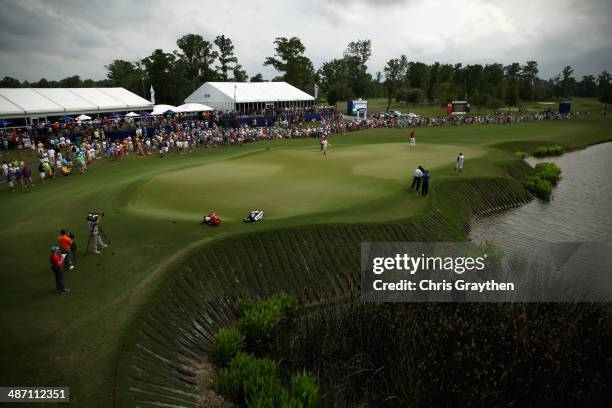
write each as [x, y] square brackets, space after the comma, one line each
[260, 321]
[228, 342]
[543, 151]
[287, 303]
[263, 318]
[521, 155]
[304, 389]
[539, 187]
[246, 375]
[242, 305]
[256, 382]
[548, 171]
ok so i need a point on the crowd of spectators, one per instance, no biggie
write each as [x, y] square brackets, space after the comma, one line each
[62, 148]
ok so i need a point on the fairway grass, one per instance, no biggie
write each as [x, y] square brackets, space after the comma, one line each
[153, 207]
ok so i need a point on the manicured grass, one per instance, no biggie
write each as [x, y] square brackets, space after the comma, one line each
[75, 340]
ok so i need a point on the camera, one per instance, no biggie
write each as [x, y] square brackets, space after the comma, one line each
[71, 235]
[94, 216]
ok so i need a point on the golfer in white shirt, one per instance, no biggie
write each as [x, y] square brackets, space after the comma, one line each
[459, 164]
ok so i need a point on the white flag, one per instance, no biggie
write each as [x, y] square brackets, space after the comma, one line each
[152, 95]
[316, 91]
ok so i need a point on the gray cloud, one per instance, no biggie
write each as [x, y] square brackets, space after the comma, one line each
[55, 39]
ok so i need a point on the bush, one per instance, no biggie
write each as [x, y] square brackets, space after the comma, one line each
[242, 305]
[245, 375]
[548, 171]
[521, 155]
[543, 151]
[228, 342]
[304, 389]
[261, 319]
[256, 382]
[287, 303]
[539, 187]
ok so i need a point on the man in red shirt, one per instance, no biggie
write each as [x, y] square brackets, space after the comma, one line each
[57, 266]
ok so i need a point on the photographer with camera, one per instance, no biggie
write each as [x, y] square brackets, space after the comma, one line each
[95, 232]
[66, 243]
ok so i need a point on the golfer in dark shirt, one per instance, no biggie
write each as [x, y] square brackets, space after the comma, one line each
[425, 181]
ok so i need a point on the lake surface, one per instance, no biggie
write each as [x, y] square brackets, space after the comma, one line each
[580, 209]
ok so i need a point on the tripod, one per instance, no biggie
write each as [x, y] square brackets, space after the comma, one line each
[91, 235]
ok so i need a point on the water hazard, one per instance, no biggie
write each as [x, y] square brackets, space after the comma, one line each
[580, 210]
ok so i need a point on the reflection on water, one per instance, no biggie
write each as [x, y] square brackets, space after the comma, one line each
[580, 210]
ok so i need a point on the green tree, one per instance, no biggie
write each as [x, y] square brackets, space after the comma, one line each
[127, 75]
[417, 75]
[226, 55]
[335, 80]
[473, 82]
[357, 54]
[340, 91]
[257, 78]
[528, 77]
[411, 95]
[240, 75]
[289, 59]
[9, 82]
[198, 55]
[512, 94]
[395, 73]
[567, 81]
[605, 89]
[587, 86]
[160, 68]
[71, 82]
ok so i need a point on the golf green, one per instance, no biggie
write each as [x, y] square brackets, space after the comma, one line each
[286, 182]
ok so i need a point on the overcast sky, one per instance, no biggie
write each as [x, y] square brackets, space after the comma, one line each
[55, 39]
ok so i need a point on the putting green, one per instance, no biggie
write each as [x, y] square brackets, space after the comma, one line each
[288, 182]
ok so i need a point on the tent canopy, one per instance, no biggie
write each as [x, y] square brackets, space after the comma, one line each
[193, 107]
[39, 102]
[162, 109]
[221, 95]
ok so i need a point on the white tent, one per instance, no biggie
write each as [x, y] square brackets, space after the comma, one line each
[131, 115]
[83, 118]
[43, 102]
[245, 96]
[161, 109]
[193, 107]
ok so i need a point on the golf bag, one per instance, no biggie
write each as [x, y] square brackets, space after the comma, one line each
[255, 215]
[211, 219]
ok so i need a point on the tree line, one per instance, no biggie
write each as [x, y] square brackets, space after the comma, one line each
[176, 74]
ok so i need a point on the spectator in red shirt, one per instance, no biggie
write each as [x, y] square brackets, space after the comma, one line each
[57, 266]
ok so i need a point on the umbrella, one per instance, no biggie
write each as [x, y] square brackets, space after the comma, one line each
[4, 123]
[131, 115]
[66, 118]
[117, 116]
[170, 112]
[82, 118]
[144, 114]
